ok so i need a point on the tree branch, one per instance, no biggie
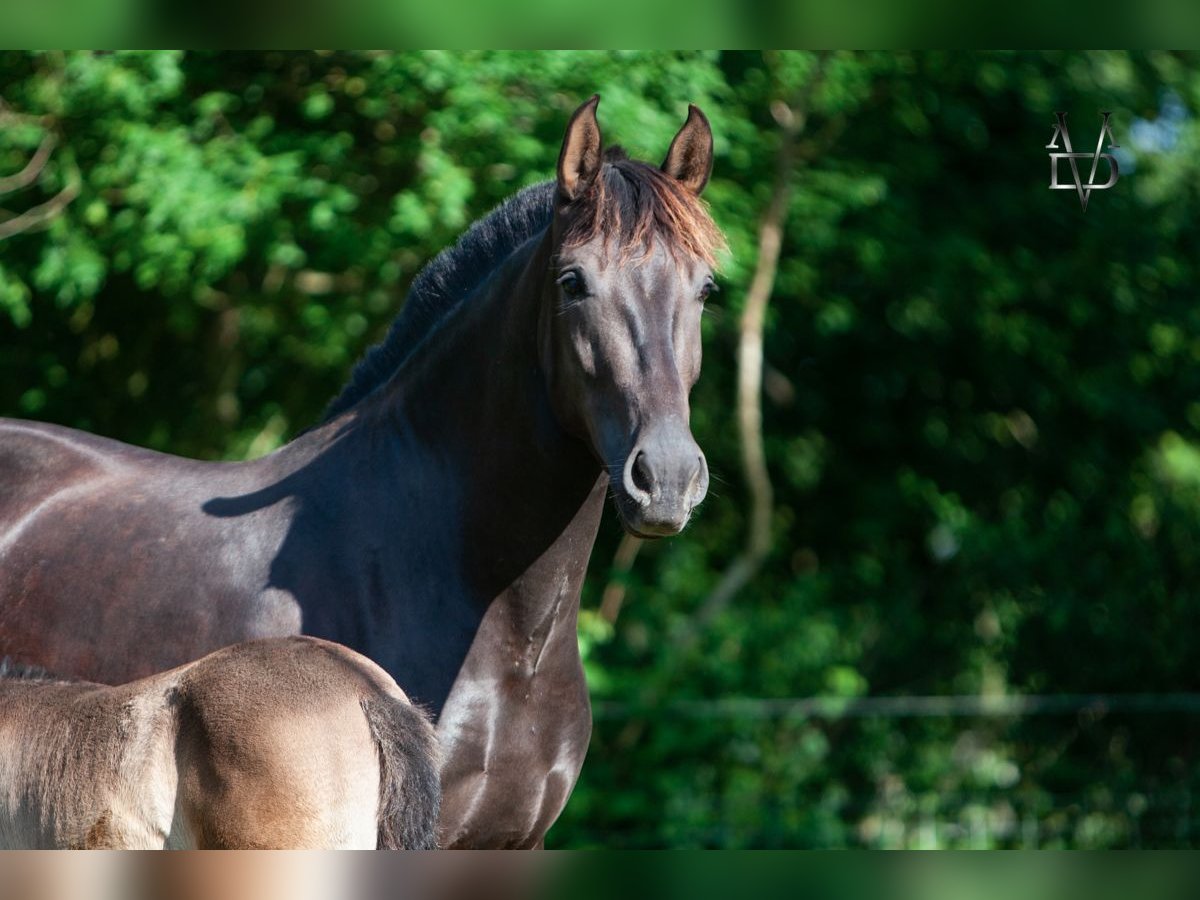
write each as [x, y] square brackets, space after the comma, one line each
[615, 590]
[792, 118]
[39, 215]
[8, 114]
[32, 170]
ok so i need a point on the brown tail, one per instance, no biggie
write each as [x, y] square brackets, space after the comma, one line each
[410, 788]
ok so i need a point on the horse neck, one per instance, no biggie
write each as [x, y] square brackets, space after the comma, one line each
[470, 412]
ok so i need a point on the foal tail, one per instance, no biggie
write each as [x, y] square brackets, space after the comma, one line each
[410, 787]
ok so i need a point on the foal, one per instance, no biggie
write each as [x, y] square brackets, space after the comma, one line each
[284, 743]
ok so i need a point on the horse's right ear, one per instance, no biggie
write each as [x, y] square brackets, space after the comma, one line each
[579, 159]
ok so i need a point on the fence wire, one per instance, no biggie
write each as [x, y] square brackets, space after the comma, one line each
[902, 707]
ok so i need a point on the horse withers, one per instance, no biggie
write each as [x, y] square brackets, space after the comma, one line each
[282, 743]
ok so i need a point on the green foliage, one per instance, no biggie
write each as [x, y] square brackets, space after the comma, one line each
[980, 418]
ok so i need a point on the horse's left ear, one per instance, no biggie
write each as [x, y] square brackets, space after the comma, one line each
[690, 158]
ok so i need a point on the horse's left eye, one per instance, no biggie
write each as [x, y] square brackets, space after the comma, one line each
[572, 284]
[709, 287]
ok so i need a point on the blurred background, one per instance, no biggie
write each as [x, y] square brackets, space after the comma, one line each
[945, 591]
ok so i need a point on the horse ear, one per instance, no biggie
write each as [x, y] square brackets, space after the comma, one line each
[579, 159]
[690, 158]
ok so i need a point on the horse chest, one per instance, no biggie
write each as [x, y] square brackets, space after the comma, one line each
[514, 730]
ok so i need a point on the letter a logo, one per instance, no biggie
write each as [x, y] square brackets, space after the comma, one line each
[1084, 189]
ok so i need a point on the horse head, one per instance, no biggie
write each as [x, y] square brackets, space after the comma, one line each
[634, 251]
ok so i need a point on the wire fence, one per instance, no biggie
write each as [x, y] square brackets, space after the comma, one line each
[903, 707]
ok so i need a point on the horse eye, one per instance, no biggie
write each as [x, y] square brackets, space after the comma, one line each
[709, 287]
[572, 284]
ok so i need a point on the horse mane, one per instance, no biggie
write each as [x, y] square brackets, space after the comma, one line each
[445, 282]
[628, 206]
[15, 671]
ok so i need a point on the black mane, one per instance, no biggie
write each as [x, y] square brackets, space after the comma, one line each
[445, 282]
[14, 671]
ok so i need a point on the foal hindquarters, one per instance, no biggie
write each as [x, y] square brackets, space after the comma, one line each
[285, 743]
[300, 743]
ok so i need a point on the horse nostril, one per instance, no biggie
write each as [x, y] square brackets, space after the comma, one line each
[640, 472]
[698, 484]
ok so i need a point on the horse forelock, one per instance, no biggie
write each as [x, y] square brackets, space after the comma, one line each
[632, 204]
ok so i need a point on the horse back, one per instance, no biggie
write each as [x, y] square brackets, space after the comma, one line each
[37, 461]
[110, 568]
[44, 465]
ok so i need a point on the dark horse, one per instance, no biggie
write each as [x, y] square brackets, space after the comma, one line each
[441, 518]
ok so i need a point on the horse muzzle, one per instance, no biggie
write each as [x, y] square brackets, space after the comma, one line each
[664, 478]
